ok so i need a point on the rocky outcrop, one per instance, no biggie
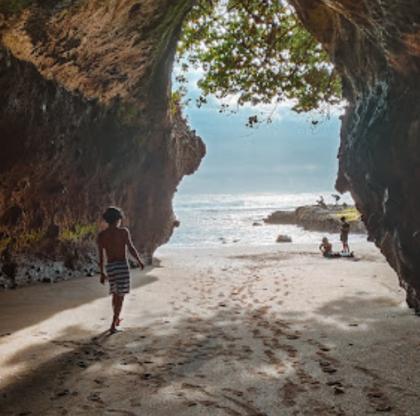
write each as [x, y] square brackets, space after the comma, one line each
[86, 120]
[375, 46]
[315, 218]
[281, 217]
[282, 238]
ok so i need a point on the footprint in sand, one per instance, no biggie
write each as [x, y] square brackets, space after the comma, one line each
[256, 333]
[95, 397]
[378, 399]
[237, 393]
[290, 393]
[135, 403]
[326, 367]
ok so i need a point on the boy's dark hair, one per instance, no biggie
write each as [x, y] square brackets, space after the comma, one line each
[343, 219]
[112, 215]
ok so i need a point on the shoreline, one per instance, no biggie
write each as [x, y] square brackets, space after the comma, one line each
[230, 330]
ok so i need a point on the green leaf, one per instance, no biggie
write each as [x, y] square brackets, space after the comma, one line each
[258, 50]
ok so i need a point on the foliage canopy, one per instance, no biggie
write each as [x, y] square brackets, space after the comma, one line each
[257, 51]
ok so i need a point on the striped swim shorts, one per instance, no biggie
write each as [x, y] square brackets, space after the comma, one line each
[119, 277]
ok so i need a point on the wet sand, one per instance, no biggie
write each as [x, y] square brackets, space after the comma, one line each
[229, 331]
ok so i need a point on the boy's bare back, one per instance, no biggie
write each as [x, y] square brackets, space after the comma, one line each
[114, 240]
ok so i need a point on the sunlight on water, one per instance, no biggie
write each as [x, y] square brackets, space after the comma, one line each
[209, 220]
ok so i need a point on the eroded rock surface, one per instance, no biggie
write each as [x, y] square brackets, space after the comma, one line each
[86, 120]
[375, 45]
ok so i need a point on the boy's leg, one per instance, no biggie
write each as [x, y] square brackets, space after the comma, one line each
[114, 309]
[119, 308]
[117, 301]
[113, 303]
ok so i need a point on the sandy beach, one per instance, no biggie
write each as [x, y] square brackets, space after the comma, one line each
[274, 330]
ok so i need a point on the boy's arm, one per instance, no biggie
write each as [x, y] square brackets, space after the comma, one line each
[132, 250]
[101, 261]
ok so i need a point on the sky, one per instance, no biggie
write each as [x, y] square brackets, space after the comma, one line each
[289, 155]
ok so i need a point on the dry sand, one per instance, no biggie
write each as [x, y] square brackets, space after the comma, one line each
[236, 331]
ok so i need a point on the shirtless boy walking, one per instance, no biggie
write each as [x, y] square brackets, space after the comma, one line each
[114, 241]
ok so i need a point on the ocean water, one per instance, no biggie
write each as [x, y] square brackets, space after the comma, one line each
[211, 220]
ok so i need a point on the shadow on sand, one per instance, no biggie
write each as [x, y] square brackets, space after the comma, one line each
[241, 361]
[54, 298]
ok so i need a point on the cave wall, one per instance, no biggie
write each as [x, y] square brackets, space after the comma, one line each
[87, 120]
[375, 46]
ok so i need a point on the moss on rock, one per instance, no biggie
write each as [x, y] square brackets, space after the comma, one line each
[10, 7]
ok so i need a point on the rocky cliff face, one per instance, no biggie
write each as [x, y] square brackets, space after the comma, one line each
[375, 45]
[86, 120]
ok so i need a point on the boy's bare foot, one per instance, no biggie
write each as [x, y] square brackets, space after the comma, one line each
[114, 330]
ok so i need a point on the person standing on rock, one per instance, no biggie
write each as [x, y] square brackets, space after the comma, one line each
[320, 202]
[344, 234]
[114, 242]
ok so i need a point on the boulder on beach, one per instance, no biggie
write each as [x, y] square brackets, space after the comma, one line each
[282, 238]
[281, 217]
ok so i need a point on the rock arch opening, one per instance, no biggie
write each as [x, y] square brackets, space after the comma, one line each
[242, 67]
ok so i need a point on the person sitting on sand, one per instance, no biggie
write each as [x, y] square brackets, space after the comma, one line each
[326, 248]
[344, 234]
[114, 241]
